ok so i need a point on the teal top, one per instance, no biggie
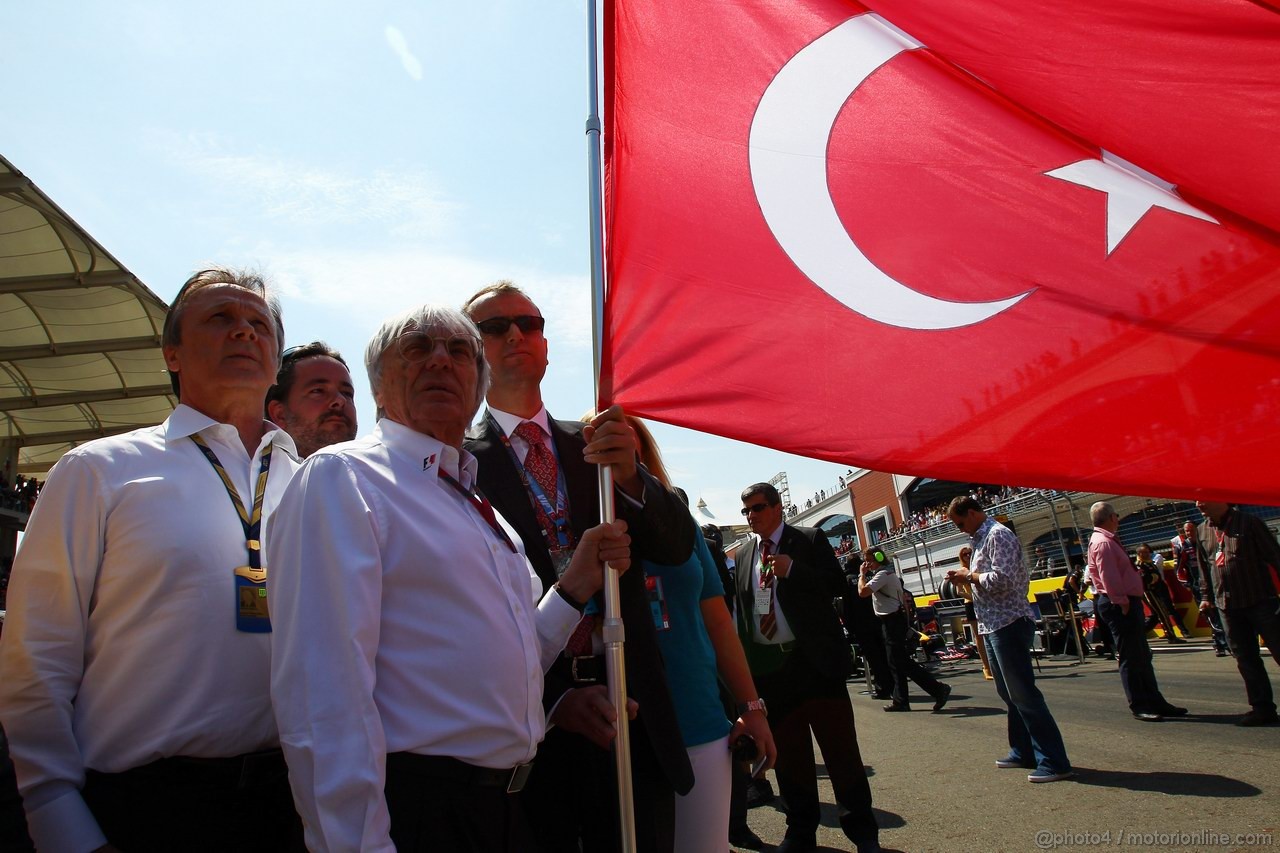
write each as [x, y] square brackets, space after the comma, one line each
[676, 594]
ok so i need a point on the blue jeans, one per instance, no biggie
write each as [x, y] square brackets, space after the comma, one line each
[1032, 730]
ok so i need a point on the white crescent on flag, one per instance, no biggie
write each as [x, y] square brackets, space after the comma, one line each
[788, 152]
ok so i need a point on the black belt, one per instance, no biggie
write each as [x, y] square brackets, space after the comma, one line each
[589, 669]
[253, 768]
[447, 769]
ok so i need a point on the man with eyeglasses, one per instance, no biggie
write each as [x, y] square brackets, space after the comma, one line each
[313, 399]
[134, 669]
[541, 474]
[411, 632]
[787, 579]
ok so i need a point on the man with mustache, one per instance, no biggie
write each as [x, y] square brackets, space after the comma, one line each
[313, 399]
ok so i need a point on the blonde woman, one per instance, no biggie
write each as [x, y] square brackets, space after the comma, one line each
[698, 640]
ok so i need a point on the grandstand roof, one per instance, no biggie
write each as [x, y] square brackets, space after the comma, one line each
[79, 334]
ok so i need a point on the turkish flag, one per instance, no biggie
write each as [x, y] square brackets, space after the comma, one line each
[823, 236]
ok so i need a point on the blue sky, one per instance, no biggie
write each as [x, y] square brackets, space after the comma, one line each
[368, 157]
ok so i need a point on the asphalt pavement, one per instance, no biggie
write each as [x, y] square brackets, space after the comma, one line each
[1196, 783]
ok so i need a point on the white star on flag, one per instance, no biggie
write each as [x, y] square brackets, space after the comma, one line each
[1131, 192]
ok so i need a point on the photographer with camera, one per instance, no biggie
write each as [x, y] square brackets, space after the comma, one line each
[879, 582]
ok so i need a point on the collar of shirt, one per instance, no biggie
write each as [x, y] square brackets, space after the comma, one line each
[186, 421]
[980, 535]
[775, 537]
[1107, 534]
[1226, 519]
[433, 455]
[509, 422]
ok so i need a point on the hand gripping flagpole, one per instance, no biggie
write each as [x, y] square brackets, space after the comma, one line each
[614, 636]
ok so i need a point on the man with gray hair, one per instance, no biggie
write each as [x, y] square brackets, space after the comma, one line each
[410, 644]
[134, 666]
[1118, 587]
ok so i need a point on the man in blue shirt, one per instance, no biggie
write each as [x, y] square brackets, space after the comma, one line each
[999, 581]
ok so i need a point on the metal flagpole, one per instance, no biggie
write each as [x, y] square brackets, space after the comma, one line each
[614, 635]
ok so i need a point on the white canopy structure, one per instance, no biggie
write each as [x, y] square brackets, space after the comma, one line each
[79, 335]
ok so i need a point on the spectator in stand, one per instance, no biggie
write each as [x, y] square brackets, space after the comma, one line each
[1192, 572]
[1119, 604]
[1241, 549]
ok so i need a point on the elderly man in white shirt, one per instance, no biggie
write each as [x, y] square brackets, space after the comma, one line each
[134, 679]
[409, 644]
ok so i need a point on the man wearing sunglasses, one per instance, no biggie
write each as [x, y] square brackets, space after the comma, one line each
[540, 473]
[787, 578]
[313, 399]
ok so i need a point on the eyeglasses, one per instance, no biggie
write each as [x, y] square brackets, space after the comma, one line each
[747, 510]
[526, 323]
[418, 346]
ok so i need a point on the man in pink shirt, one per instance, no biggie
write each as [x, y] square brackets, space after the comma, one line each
[1119, 600]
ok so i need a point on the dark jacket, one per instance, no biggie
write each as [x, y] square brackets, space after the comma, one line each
[662, 532]
[806, 596]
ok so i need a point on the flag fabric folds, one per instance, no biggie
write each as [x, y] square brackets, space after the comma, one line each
[1018, 243]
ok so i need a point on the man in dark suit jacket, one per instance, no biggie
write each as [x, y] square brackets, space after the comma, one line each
[571, 795]
[787, 581]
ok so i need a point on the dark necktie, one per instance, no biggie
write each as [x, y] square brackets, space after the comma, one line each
[768, 621]
[539, 462]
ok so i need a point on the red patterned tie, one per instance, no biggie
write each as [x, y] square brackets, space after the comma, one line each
[579, 642]
[768, 621]
[539, 462]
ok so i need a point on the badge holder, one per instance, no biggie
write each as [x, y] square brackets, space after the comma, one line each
[657, 602]
[251, 601]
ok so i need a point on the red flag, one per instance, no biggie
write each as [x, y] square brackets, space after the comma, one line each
[1190, 89]
[825, 238]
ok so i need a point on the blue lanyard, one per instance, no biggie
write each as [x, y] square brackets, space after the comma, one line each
[557, 515]
[251, 521]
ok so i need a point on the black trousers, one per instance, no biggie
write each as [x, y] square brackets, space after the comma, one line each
[802, 700]
[217, 805]
[572, 796]
[1137, 674]
[901, 663]
[437, 806]
[1244, 625]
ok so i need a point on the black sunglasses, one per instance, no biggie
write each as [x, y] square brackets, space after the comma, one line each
[525, 323]
[294, 350]
[747, 510]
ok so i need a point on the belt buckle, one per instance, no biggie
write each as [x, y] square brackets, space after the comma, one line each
[573, 670]
[519, 778]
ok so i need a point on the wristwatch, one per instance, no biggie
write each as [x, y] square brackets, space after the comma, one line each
[753, 705]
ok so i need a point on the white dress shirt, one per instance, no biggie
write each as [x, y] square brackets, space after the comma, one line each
[510, 422]
[121, 646]
[402, 623]
[783, 634]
